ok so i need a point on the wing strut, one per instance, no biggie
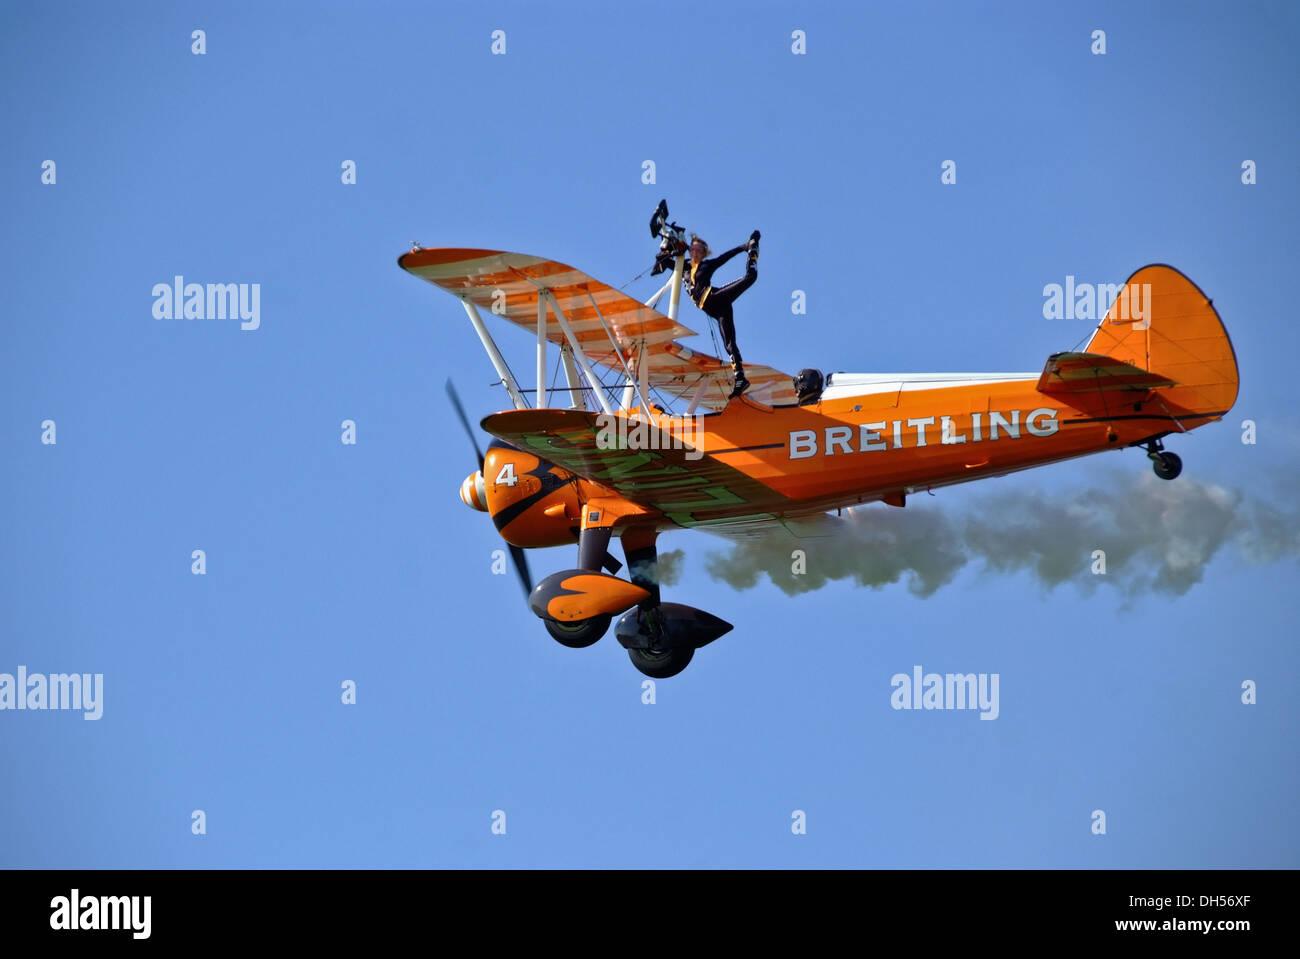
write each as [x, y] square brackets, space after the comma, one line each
[698, 395]
[643, 380]
[546, 296]
[541, 352]
[498, 361]
[627, 396]
[577, 400]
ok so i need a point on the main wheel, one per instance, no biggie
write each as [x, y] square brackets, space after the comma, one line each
[662, 663]
[1167, 465]
[578, 634]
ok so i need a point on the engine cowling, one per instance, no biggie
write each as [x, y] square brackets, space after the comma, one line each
[533, 503]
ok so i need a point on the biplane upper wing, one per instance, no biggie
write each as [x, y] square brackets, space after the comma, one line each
[610, 326]
[689, 487]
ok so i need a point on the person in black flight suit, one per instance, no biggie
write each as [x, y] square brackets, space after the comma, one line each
[716, 301]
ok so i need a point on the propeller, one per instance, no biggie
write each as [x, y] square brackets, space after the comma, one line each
[464, 421]
[516, 553]
[521, 567]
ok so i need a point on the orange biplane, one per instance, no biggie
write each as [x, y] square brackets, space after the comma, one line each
[610, 460]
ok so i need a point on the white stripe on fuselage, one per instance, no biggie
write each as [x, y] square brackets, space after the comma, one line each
[847, 385]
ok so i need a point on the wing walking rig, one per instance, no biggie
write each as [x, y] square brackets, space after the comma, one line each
[592, 324]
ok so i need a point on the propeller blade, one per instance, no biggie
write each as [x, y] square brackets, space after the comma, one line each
[516, 553]
[521, 567]
[464, 421]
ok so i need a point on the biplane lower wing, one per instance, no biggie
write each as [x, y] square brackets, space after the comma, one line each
[690, 488]
[794, 528]
[612, 329]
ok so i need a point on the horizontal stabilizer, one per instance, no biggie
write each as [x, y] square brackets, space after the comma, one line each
[1094, 373]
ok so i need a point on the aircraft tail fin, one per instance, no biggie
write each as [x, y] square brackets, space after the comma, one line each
[1163, 324]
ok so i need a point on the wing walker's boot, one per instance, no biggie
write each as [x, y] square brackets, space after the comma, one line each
[742, 384]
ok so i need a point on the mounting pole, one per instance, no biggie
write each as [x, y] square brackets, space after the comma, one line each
[658, 293]
[675, 299]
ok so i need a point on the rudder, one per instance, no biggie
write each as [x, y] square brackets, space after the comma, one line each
[1163, 323]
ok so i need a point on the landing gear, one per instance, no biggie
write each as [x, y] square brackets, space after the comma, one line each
[573, 603]
[661, 663]
[660, 638]
[649, 645]
[578, 605]
[1166, 465]
[641, 630]
[578, 634]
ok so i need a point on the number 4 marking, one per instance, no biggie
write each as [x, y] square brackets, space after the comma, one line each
[507, 476]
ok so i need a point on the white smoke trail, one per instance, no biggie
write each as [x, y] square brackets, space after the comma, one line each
[1157, 536]
[666, 570]
[670, 567]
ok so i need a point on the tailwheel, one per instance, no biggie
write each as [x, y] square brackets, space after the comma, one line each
[578, 633]
[662, 663]
[1167, 465]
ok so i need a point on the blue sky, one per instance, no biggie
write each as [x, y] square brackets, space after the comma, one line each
[328, 562]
